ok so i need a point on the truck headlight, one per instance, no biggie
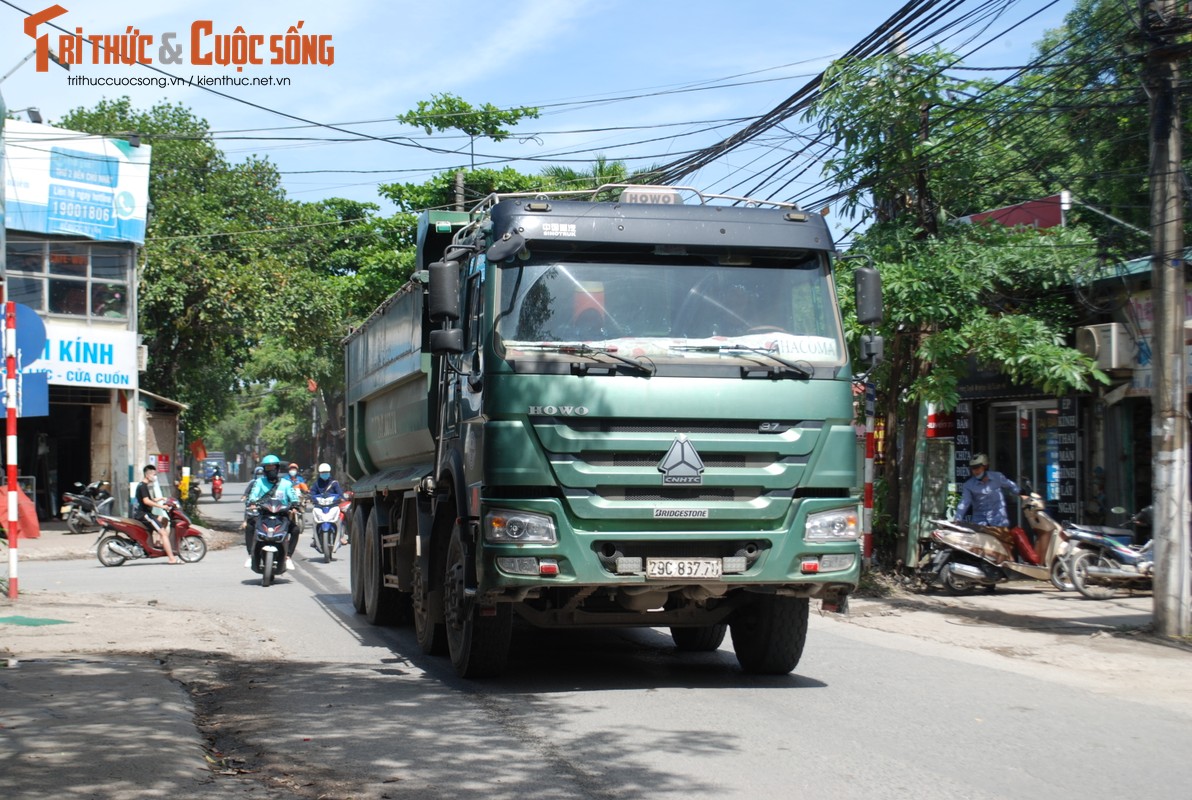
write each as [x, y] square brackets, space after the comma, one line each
[839, 525]
[514, 527]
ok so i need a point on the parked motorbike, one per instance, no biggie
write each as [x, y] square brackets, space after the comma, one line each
[270, 521]
[1052, 540]
[125, 539]
[327, 516]
[216, 487]
[961, 556]
[83, 508]
[1106, 559]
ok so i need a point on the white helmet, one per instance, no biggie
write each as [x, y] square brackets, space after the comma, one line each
[324, 467]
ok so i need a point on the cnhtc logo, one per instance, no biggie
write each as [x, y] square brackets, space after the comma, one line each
[681, 464]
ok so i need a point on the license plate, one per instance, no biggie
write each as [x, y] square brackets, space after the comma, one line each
[683, 568]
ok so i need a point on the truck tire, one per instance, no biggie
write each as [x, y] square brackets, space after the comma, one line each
[356, 559]
[478, 644]
[704, 639]
[429, 630]
[382, 604]
[769, 634]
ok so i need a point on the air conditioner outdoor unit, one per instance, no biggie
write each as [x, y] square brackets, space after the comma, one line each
[1109, 344]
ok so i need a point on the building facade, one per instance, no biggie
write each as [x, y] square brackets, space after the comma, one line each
[75, 212]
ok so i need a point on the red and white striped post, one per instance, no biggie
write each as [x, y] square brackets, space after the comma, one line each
[10, 402]
[867, 505]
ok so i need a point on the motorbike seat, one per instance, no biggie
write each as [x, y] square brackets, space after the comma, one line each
[1123, 535]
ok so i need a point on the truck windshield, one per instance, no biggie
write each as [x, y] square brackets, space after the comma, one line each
[673, 311]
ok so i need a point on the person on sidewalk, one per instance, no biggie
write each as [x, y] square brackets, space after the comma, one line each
[984, 494]
[148, 502]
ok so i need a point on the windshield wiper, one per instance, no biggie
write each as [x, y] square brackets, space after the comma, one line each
[768, 352]
[646, 366]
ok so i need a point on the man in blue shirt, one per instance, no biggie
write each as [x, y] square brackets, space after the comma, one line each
[983, 494]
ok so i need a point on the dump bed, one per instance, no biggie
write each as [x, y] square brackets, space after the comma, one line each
[389, 443]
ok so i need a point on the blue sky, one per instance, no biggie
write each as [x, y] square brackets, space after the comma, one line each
[582, 61]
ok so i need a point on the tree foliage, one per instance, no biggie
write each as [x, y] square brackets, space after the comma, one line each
[915, 148]
[201, 277]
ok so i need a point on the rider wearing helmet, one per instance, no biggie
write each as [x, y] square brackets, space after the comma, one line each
[325, 484]
[256, 473]
[296, 478]
[273, 482]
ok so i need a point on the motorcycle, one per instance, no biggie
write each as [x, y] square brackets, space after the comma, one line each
[960, 556]
[327, 516]
[1106, 559]
[216, 487]
[125, 539]
[270, 521]
[83, 508]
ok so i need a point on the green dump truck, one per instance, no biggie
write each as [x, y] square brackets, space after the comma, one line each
[603, 414]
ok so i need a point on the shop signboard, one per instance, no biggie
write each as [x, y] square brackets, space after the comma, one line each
[88, 355]
[58, 181]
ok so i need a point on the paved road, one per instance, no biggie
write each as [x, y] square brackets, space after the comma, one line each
[329, 706]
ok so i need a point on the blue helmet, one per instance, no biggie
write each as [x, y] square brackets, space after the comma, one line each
[272, 466]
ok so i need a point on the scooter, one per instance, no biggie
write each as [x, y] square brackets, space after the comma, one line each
[83, 508]
[327, 516]
[125, 539]
[270, 521]
[960, 556]
[216, 487]
[1106, 559]
[1052, 540]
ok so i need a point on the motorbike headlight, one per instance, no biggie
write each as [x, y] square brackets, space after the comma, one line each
[514, 527]
[839, 525]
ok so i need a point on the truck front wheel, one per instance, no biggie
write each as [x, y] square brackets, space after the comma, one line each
[769, 634]
[478, 639]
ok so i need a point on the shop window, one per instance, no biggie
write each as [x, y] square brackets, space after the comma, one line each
[68, 259]
[27, 291]
[109, 300]
[109, 263]
[68, 297]
[77, 279]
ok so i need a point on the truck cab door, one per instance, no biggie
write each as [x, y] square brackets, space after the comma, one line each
[472, 359]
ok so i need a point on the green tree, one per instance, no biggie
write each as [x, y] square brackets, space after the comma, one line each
[955, 294]
[202, 279]
[449, 112]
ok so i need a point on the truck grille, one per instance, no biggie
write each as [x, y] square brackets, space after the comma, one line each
[603, 464]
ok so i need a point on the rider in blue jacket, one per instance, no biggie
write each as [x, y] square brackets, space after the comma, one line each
[325, 484]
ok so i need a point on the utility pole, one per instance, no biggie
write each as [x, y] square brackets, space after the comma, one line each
[459, 190]
[1161, 24]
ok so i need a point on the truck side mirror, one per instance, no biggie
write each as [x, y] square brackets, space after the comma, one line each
[508, 245]
[447, 342]
[443, 301]
[868, 283]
